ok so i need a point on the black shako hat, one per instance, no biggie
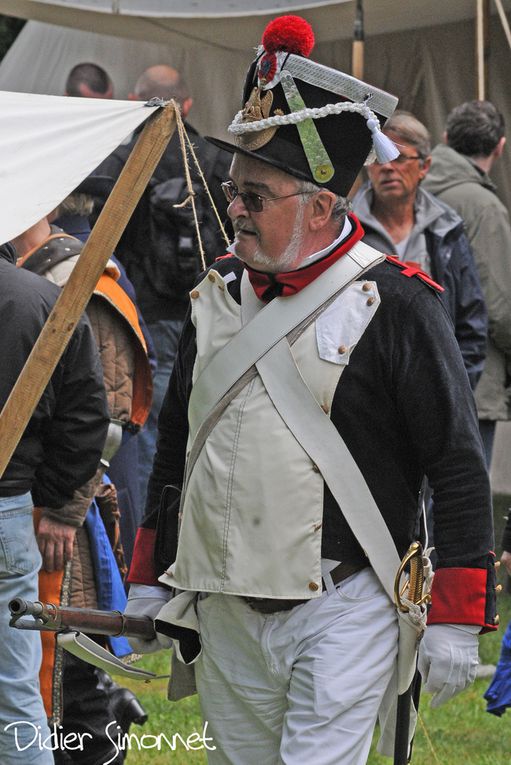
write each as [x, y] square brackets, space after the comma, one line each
[313, 122]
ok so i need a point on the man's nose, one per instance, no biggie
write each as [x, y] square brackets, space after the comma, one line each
[237, 208]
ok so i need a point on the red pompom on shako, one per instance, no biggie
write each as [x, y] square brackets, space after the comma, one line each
[289, 33]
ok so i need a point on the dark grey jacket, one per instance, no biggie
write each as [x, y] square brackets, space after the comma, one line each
[62, 443]
[459, 183]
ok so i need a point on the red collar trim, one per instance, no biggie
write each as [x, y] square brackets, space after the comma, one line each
[267, 286]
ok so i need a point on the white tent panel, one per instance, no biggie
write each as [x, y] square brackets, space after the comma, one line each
[186, 8]
[49, 144]
[43, 55]
[234, 24]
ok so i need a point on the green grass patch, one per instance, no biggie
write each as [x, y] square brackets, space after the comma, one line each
[460, 732]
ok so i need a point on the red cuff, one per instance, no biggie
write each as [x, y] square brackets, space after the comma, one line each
[142, 570]
[458, 596]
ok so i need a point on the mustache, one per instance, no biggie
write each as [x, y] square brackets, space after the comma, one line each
[242, 225]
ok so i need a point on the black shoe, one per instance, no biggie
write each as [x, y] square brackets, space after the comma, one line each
[125, 706]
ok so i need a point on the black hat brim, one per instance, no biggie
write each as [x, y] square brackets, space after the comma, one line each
[269, 160]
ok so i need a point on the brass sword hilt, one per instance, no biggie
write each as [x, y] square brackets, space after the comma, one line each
[412, 588]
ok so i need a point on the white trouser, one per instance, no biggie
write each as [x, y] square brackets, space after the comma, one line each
[299, 686]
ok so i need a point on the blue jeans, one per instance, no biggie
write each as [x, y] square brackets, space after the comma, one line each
[165, 336]
[20, 651]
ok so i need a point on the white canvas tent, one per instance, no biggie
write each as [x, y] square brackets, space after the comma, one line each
[424, 52]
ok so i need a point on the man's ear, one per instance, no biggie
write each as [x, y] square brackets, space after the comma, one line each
[426, 164]
[500, 147]
[322, 206]
[186, 106]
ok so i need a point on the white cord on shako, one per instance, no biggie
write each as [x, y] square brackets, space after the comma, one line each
[384, 148]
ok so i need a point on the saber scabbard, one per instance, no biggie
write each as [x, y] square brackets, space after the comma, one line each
[409, 589]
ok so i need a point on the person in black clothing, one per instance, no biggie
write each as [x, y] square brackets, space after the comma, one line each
[159, 247]
[59, 451]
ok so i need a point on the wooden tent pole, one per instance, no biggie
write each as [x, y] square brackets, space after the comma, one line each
[357, 51]
[482, 47]
[73, 299]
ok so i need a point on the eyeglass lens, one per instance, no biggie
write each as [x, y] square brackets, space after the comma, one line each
[253, 202]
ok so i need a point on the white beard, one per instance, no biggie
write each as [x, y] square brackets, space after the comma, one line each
[287, 261]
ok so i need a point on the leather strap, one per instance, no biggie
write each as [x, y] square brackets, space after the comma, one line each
[316, 433]
[51, 253]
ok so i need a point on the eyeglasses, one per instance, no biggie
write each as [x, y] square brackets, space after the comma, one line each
[402, 158]
[252, 201]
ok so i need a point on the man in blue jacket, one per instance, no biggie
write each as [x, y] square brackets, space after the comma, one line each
[402, 219]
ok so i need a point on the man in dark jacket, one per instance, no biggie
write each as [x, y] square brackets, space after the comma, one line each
[159, 248]
[403, 220]
[459, 176]
[58, 452]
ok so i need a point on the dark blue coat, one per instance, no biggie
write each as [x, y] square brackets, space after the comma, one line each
[451, 264]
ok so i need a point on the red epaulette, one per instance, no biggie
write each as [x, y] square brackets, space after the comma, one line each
[410, 269]
[222, 257]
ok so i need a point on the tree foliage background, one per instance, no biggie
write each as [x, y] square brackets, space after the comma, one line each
[9, 30]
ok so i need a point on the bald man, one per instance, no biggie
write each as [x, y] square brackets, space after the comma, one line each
[162, 81]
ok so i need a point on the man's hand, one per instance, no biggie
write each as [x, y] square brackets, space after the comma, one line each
[505, 559]
[144, 600]
[448, 659]
[55, 542]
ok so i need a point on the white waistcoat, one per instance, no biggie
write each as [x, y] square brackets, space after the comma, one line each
[252, 512]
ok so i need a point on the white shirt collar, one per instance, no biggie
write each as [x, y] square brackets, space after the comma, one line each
[346, 231]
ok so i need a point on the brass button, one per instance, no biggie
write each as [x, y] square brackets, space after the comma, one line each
[315, 468]
[313, 586]
[498, 588]
[370, 300]
[194, 294]
[366, 286]
[325, 408]
[211, 277]
[342, 349]
[221, 287]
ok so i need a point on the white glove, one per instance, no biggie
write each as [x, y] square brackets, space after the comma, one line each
[144, 600]
[448, 659]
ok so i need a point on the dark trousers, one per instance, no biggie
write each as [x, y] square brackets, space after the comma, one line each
[87, 710]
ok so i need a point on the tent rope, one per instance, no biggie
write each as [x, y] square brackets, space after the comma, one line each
[208, 192]
[186, 145]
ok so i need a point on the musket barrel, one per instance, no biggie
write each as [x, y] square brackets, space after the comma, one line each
[49, 617]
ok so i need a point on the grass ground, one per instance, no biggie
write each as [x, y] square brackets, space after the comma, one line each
[459, 733]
